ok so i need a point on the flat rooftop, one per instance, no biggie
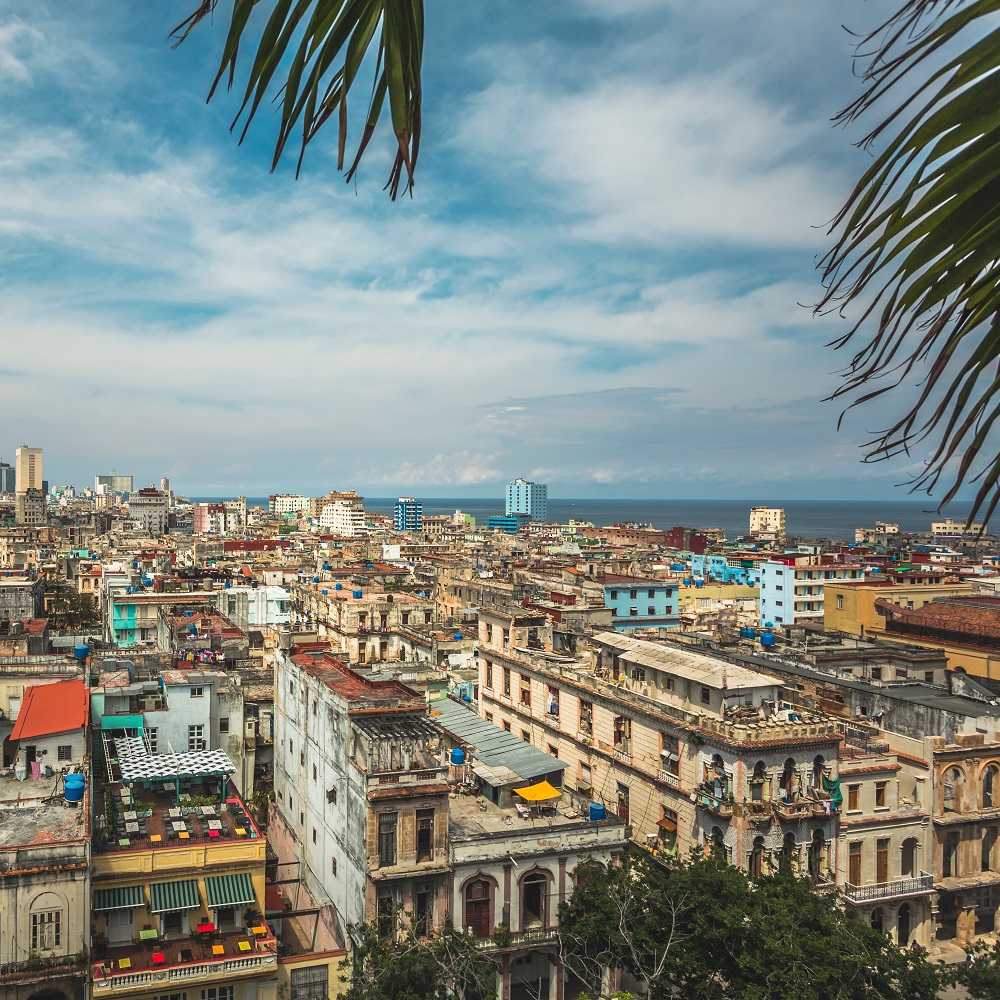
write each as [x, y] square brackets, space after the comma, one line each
[470, 817]
[28, 816]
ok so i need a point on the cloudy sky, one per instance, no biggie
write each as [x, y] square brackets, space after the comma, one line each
[598, 282]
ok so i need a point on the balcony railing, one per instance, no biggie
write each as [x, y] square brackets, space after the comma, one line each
[113, 981]
[70, 964]
[669, 778]
[886, 890]
[712, 803]
[526, 939]
[792, 812]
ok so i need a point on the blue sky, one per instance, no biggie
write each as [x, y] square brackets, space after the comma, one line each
[597, 283]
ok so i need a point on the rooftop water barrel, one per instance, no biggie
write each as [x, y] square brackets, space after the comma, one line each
[357, 593]
[338, 586]
[458, 756]
[767, 639]
[751, 634]
[73, 787]
[699, 583]
[188, 614]
[597, 812]
[325, 592]
[81, 652]
[458, 635]
[768, 624]
[315, 579]
[326, 565]
[228, 585]
[192, 629]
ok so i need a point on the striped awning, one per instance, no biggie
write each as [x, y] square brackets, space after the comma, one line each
[229, 890]
[123, 897]
[167, 897]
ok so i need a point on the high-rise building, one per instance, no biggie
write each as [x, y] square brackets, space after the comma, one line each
[113, 483]
[28, 466]
[409, 513]
[528, 499]
[149, 508]
[8, 478]
[767, 523]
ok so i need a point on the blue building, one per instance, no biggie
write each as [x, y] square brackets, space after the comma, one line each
[528, 499]
[638, 603]
[503, 522]
[409, 513]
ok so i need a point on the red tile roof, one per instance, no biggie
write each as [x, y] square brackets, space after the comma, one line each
[50, 709]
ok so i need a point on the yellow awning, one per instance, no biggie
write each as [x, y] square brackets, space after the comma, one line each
[539, 793]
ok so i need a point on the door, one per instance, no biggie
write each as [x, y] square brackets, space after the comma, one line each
[120, 926]
[854, 863]
[14, 706]
[882, 861]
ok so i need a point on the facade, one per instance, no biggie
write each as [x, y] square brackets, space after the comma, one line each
[768, 524]
[640, 603]
[343, 518]
[22, 597]
[256, 607]
[8, 478]
[509, 524]
[409, 513]
[113, 483]
[28, 468]
[792, 587]
[529, 499]
[149, 508]
[30, 508]
[287, 504]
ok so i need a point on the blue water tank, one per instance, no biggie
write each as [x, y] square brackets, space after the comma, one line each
[81, 652]
[458, 635]
[228, 585]
[768, 624]
[326, 565]
[188, 614]
[458, 756]
[357, 593]
[135, 564]
[338, 586]
[598, 812]
[699, 583]
[751, 634]
[73, 787]
[192, 629]
[767, 639]
[315, 579]
[325, 591]
[688, 581]
[467, 698]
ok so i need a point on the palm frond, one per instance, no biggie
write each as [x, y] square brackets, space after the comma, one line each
[308, 55]
[918, 244]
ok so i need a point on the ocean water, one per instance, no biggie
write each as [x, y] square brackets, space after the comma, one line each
[834, 519]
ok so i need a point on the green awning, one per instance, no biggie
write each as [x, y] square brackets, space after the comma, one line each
[167, 897]
[121, 722]
[123, 897]
[229, 890]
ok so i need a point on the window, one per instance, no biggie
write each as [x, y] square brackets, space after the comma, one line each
[506, 637]
[331, 795]
[489, 674]
[584, 775]
[311, 983]
[152, 740]
[65, 753]
[425, 835]
[928, 676]
[197, 692]
[525, 735]
[170, 996]
[302, 759]
[314, 772]
[853, 798]
[333, 865]
[623, 732]
[706, 696]
[613, 594]
[302, 819]
[405, 618]
[633, 612]
[506, 681]
[314, 835]
[223, 726]
[387, 839]
[489, 716]
[477, 908]
[854, 863]
[552, 701]
[586, 717]
[506, 725]
[650, 611]
[315, 703]
[840, 602]
[217, 993]
[880, 794]
[427, 618]
[196, 737]
[553, 750]
[46, 930]
[670, 754]
[633, 594]
[526, 693]
[291, 687]
[651, 593]
[291, 746]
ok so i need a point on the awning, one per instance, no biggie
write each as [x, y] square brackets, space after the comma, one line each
[167, 897]
[113, 722]
[670, 825]
[123, 897]
[539, 793]
[229, 890]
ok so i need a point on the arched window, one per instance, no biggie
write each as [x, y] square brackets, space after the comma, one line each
[908, 858]
[817, 772]
[878, 919]
[789, 783]
[903, 921]
[478, 916]
[990, 787]
[952, 784]
[757, 858]
[789, 854]
[989, 846]
[47, 933]
[716, 844]
[949, 860]
[757, 783]
[817, 855]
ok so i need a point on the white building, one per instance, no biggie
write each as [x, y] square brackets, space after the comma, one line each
[768, 523]
[149, 509]
[792, 587]
[344, 519]
[287, 503]
[256, 607]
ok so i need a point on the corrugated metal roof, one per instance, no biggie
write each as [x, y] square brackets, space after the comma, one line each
[123, 897]
[167, 897]
[229, 890]
[491, 744]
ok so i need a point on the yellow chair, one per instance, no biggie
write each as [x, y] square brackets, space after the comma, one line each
[124, 963]
[244, 946]
[218, 949]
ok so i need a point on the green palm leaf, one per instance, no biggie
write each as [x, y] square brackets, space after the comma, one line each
[918, 244]
[308, 55]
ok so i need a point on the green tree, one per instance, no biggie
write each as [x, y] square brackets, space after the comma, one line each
[980, 975]
[402, 966]
[705, 930]
[918, 244]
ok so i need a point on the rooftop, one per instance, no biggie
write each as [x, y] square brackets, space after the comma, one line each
[351, 686]
[51, 708]
[33, 813]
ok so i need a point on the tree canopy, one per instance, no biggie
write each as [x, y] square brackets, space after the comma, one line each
[704, 930]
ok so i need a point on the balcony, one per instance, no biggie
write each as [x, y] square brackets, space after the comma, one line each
[758, 813]
[916, 886]
[418, 776]
[71, 965]
[184, 961]
[507, 941]
[669, 778]
[715, 804]
[792, 812]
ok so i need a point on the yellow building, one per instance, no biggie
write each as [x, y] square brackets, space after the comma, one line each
[850, 606]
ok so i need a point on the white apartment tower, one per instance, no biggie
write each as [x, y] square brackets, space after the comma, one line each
[768, 523]
[28, 469]
[528, 499]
